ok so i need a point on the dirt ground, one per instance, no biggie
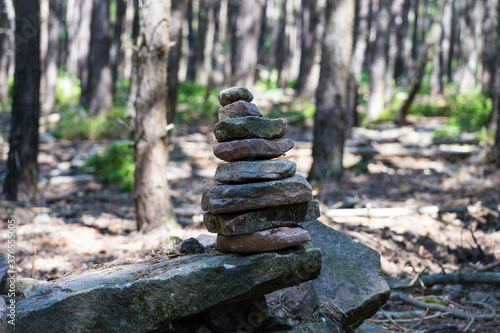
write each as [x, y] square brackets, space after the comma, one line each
[79, 222]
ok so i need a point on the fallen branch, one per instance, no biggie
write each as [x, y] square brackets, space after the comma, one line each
[488, 267]
[438, 307]
[453, 278]
[408, 320]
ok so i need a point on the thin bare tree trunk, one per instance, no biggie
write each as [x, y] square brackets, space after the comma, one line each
[118, 40]
[400, 65]
[100, 79]
[378, 65]
[6, 47]
[178, 12]
[21, 181]
[329, 118]
[148, 107]
[310, 20]
[50, 63]
[245, 48]
[84, 28]
[356, 66]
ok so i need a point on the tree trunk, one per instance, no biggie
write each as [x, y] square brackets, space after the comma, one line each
[401, 34]
[488, 56]
[378, 65]
[414, 38]
[178, 12]
[282, 45]
[310, 18]
[84, 49]
[245, 48]
[215, 76]
[118, 39]
[356, 66]
[191, 58]
[72, 23]
[444, 51]
[201, 40]
[421, 62]
[6, 48]
[148, 107]
[233, 8]
[101, 89]
[329, 118]
[50, 61]
[471, 46]
[21, 181]
[496, 92]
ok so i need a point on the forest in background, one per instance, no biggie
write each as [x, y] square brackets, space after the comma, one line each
[393, 105]
[330, 64]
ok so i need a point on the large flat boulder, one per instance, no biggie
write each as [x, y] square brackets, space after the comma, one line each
[250, 171]
[351, 279]
[236, 198]
[141, 296]
[249, 127]
[266, 218]
[252, 149]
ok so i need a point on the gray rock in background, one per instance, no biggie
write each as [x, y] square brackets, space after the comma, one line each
[351, 279]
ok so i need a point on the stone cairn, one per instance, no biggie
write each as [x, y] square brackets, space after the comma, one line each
[259, 200]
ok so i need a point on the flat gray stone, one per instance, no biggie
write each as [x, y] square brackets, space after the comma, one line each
[252, 149]
[237, 198]
[351, 279]
[248, 171]
[234, 94]
[266, 218]
[142, 296]
[239, 109]
[262, 241]
[297, 302]
[248, 128]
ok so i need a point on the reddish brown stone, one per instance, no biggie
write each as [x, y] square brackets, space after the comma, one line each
[239, 109]
[262, 241]
[252, 149]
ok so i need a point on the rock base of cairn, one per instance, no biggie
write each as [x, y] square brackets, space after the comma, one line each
[259, 201]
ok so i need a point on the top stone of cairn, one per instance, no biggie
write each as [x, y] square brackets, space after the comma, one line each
[234, 94]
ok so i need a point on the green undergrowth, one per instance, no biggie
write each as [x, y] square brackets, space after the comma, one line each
[115, 166]
[193, 102]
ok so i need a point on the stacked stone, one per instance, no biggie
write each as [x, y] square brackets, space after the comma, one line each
[259, 201]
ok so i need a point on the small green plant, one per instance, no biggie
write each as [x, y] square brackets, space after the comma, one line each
[76, 124]
[67, 89]
[298, 111]
[116, 166]
[192, 102]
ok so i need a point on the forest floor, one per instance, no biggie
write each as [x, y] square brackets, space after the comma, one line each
[80, 222]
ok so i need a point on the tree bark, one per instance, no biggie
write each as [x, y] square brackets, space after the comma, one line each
[401, 35]
[148, 108]
[191, 58]
[378, 65]
[178, 12]
[84, 28]
[488, 56]
[310, 18]
[444, 51]
[21, 181]
[471, 46]
[245, 48]
[495, 113]
[282, 45]
[118, 38]
[6, 48]
[101, 89]
[329, 118]
[356, 66]
[421, 62]
[50, 61]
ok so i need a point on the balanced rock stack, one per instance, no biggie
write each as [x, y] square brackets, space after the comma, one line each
[259, 201]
